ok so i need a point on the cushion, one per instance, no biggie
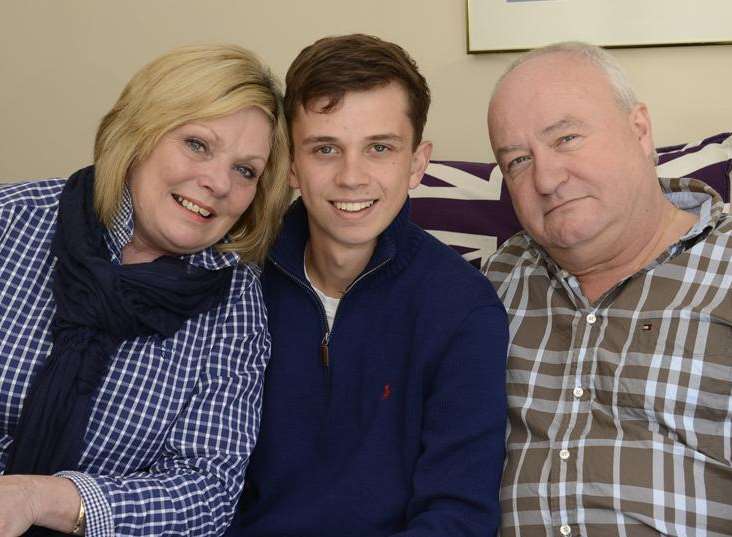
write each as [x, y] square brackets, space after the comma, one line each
[466, 204]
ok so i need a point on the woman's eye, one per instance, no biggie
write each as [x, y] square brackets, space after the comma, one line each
[246, 171]
[195, 145]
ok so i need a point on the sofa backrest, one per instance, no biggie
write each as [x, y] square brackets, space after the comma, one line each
[466, 204]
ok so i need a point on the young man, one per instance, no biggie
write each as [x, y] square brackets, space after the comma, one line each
[621, 313]
[384, 405]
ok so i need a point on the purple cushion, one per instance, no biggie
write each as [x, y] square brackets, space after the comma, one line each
[709, 160]
[466, 204]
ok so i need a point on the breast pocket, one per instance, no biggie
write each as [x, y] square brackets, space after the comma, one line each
[677, 376]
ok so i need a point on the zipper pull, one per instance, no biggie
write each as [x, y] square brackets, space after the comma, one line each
[324, 358]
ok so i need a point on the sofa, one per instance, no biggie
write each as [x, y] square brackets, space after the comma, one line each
[467, 206]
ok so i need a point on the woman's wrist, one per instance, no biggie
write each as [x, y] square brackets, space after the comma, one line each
[80, 525]
[57, 503]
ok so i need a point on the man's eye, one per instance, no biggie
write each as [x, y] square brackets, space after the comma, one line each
[246, 172]
[566, 139]
[325, 150]
[380, 148]
[196, 145]
[517, 161]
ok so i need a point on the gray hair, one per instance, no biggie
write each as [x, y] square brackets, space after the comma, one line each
[596, 56]
[624, 93]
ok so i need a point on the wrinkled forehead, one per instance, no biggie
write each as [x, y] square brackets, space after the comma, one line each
[549, 73]
[544, 88]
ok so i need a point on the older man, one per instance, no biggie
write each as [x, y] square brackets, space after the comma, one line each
[620, 362]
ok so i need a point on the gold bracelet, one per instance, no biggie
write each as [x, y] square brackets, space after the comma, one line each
[80, 520]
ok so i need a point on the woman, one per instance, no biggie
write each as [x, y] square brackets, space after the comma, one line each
[132, 332]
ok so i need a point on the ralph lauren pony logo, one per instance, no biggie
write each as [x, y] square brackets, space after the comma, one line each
[386, 394]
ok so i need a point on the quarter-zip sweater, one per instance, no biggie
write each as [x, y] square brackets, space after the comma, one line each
[393, 422]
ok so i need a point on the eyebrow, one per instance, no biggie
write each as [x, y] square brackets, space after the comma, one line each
[564, 123]
[217, 139]
[386, 137]
[501, 151]
[319, 139]
[249, 158]
[206, 128]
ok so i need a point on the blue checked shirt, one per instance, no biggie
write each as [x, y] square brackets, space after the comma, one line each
[175, 419]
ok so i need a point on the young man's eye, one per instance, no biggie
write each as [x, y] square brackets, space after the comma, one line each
[325, 150]
[380, 148]
[196, 145]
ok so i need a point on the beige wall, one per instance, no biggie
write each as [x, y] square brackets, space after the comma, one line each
[63, 63]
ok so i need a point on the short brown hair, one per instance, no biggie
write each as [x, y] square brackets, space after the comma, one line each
[187, 84]
[332, 66]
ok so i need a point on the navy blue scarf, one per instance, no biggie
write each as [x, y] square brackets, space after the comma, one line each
[98, 305]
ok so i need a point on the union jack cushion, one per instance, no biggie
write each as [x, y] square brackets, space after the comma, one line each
[466, 205]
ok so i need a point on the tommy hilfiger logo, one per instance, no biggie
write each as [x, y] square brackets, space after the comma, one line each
[386, 393]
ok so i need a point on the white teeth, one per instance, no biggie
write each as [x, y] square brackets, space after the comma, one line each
[192, 206]
[352, 207]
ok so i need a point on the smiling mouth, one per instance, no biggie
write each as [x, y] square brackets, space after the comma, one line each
[192, 207]
[352, 206]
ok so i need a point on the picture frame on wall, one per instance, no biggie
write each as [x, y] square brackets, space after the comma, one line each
[516, 25]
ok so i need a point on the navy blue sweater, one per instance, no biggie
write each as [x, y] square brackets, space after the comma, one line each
[399, 428]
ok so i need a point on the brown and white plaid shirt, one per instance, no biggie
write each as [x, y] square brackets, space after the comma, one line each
[620, 412]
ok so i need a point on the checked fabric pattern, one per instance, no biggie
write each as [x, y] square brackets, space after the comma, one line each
[175, 419]
[620, 412]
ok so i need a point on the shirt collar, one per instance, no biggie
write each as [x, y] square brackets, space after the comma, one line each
[392, 246]
[122, 229]
[687, 194]
[695, 197]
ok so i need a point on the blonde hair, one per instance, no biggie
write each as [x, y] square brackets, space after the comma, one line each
[187, 84]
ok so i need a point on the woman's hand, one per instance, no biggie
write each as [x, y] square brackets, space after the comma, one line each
[27, 500]
[16, 506]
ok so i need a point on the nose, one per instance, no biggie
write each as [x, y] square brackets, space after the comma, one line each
[215, 177]
[548, 173]
[352, 172]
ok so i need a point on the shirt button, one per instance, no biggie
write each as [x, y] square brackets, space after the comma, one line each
[564, 455]
[591, 318]
[565, 530]
[578, 392]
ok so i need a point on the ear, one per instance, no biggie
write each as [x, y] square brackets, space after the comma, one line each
[292, 177]
[420, 160]
[640, 122]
